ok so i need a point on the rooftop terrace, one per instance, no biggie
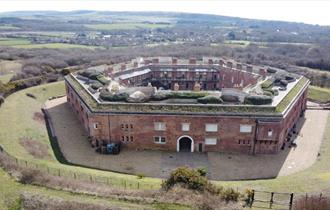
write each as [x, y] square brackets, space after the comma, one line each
[103, 91]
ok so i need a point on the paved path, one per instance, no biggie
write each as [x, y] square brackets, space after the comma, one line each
[221, 166]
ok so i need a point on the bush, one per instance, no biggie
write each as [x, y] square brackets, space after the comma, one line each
[27, 176]
[140, 176]
[230, 194]
[188, 94]
[284, 82]
[90, 73]
[210, 100]
[65, 72]
[258, 99]
[271, 71]
[187, 178]
[202, 171]
[96, 85]
[230, 98]
[267, 84]
[101, 78]
[268, 93]
[108, 96]
[2, 100]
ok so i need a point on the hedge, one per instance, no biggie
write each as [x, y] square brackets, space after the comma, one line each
[258, 100]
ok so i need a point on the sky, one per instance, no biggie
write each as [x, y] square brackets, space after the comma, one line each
[312, 12]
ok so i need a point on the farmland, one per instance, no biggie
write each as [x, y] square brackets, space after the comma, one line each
[122, 26]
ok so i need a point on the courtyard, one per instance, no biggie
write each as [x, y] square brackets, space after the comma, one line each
[76, 149]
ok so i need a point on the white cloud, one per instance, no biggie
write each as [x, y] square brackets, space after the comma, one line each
[314, 12]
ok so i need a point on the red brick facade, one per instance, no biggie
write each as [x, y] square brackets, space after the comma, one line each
[137, 131]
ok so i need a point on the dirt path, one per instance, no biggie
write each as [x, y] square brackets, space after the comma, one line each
[75, 147]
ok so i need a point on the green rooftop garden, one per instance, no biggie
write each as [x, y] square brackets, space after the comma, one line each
[184, 108]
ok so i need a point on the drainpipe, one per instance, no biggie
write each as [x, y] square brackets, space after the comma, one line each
[255, 137]
[109, 127]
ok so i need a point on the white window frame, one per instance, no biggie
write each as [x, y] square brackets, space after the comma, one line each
[96, 125]
[159, 126]
[270, 133]
[211, 140]
[211, 127]
[243, 128]
[159, 140]
[185, 126]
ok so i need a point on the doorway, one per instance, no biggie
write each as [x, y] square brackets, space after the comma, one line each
[185, 144]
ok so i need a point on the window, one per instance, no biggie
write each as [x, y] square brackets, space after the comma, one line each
[96, 125]
[185, 126]
[245, 128]
[159, 126]
[210, 141]
[211, 127]
[270, 132]
[159, 140]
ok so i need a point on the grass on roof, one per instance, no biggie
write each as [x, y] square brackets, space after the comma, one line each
[291, 95]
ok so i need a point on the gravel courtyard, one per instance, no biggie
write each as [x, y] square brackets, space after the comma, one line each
[221, 166]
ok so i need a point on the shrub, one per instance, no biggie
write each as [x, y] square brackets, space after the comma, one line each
[230, 194]
[2, 100]
[267, 84]
[272, 71]
[65, 72]
[96, 85]
[230, 98]
[140, 176]
[101, 78]
[108, 96]
[284, 82]
[90, 73]
[202, 171]
[268, 93]
[188, 95]
[210, 100]
[27, 176]
[187, 178]
[258, 99]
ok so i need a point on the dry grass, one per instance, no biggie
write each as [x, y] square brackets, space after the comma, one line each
[41, 202]
[314, 202]
[39, 117]
[35, 148]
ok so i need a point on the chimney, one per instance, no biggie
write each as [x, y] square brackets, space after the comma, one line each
[174, 61]
[229, 64]
[239, 66]
[135, 64]
[155, 60]
[210, 62]
[122, 67]
[249, 68]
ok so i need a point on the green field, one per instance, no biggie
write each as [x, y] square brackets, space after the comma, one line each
[8, 27]
[54, 46]
[5, 78]
[117, 26]
[13, 41]
[25, 43]
[18, 110]
[319, 94]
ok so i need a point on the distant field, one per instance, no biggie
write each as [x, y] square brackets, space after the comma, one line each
[5, 78]
[54, 46]
[116, 26]
[13, 41]
[9, 67]
[8, 27]
[319, 94]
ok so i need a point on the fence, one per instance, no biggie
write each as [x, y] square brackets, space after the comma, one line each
[79, 175]
[271, 200]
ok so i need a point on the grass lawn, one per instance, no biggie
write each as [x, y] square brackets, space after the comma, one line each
[116, 26]
[18, 111]
[5, 78]
[10, 191]
[318, 94]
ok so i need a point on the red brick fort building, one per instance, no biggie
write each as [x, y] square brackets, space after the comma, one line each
[197, 105]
